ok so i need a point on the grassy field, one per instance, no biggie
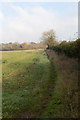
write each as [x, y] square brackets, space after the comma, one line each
[26, 83]
[37, 87]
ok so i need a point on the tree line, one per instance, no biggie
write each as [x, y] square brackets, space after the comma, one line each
[21, 46]
[69, 48]
[48, 40]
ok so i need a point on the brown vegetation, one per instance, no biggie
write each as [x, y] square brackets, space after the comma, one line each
[67, 83]
[49, 38]
[22, 46]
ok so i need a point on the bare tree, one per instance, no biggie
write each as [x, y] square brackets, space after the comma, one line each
[49, 38]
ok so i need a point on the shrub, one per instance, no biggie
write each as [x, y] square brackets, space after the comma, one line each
[71, 49]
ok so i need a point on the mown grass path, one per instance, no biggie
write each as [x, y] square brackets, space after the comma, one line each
[27, 83]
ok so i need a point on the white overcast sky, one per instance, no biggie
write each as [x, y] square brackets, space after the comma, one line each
[26, 21]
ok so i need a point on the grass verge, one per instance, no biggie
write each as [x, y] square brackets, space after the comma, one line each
[64, 102]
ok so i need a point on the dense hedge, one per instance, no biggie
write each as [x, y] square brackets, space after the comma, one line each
[71, 48]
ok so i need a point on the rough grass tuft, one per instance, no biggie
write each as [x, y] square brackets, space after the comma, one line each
[64, 103]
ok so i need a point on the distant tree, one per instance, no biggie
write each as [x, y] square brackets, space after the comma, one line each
[10, 42]
[49, 38]
[32, 43]
[24, 45]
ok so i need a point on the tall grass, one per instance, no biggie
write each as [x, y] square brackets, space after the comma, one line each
[64, 103]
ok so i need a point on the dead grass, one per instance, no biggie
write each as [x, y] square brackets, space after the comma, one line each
[67, 83]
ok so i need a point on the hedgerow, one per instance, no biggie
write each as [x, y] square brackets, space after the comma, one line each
[71, 48]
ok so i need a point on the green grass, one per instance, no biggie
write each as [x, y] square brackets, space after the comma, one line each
[26, 83]
[35, 86]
